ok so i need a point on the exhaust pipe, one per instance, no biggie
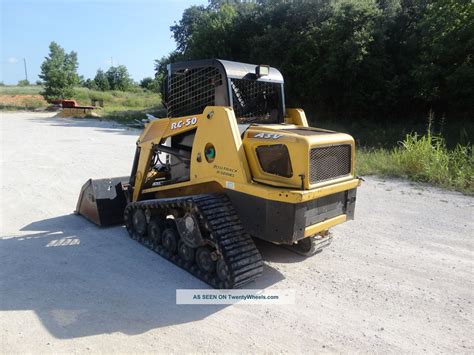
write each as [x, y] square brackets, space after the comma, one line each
[103, 201]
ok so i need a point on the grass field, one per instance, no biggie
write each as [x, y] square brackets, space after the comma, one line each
[119, 105]
[20, 90]
[122, 106]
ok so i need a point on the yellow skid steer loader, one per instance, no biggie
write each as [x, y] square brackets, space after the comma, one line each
[230, 162]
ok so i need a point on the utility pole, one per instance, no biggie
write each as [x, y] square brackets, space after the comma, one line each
[111, 61]
[26, 72]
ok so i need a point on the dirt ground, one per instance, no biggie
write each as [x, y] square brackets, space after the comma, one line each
[22, 100]
[399, 278]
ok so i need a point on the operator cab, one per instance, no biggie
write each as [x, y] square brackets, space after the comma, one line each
[255, 92]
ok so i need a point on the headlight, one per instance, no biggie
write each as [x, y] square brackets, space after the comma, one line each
[275, 159]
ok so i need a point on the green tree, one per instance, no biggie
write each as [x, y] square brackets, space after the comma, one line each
[444, 75]
[90, 84]
[23, 82]
[101, 80]
[59, 73]
[161, 64]
[183, 30]
[119, 78]
[146, 82]
[358, 59]
[151, 84]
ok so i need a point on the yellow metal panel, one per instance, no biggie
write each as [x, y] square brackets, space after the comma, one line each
[183, 124]
[142, 170]
[162, 128]
[296, 116]
[220, 130]
[217, 126]
[154, 130]
[319, 227]
[264, 191]
[299, 147]
[154, 133]
[294, 196]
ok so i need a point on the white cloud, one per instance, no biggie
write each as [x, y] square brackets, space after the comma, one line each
[12, 60]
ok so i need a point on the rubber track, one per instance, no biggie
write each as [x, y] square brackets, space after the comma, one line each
[220, 222]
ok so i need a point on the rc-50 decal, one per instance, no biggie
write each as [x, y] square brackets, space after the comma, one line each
[184, 123]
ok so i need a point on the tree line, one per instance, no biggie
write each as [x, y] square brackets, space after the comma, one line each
[59, 76]
[378, 59]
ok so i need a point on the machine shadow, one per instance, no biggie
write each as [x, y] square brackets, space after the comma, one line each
[276, 253]
[98, 124]
[81, 280]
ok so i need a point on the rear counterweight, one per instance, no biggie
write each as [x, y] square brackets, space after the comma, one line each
[285, 223]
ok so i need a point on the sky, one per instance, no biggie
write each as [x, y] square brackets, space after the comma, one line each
[125, 32]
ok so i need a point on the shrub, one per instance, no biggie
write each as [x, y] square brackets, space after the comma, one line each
[423, 158]
[23, 82]
[101, 81]
[150, 84]
[118, 78]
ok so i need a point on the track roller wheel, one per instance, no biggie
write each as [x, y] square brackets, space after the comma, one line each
[170, 239]
[204, 260]
[139, 222]
[219, 252]
[222, 270]
[155, 231]
[186, 252]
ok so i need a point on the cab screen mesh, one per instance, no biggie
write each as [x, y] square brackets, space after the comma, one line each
[191, 90]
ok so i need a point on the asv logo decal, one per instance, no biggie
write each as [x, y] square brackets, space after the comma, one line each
[184, 123]
[268, 135]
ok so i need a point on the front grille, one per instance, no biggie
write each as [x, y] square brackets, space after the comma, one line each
[328, 163]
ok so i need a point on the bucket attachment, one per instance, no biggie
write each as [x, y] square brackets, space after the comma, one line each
[102, 201]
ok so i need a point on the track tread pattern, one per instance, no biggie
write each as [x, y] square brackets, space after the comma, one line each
[222, 227]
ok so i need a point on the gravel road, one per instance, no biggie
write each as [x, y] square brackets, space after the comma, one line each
[399, 278]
